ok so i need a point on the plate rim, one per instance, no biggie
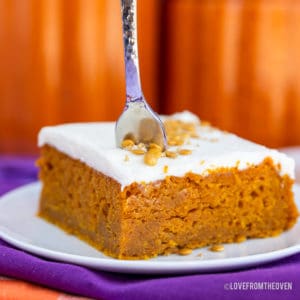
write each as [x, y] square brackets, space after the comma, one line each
[143, 266]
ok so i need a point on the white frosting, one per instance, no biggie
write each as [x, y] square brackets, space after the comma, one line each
[94, 145]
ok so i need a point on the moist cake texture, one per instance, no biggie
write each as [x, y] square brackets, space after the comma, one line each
[210, 187]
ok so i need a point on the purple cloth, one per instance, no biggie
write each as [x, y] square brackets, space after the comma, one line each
[16, 171]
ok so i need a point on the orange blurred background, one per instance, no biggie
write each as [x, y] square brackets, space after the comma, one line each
[234, 63]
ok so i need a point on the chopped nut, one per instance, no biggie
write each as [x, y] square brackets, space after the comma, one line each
[178, 133]
[184, 151]
[216, 248]
[155, 146]
[127, 143]
[171, 142]
[150, 159]
[171, 154]
[138, 151]
[166, 169]
[130, 136]
[176, 141]
[155, 152]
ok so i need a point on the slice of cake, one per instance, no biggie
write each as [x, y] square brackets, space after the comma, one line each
[208, 187]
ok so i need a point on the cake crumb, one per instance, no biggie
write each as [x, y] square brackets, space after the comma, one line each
[216, 248]
[202, 162]
[126, 158]
[185, 251]
[199, 255]
[240, 239]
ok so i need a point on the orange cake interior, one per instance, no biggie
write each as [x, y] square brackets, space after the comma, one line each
[143, 219]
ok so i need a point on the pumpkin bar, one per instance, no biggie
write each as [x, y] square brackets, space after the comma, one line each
[208, 187]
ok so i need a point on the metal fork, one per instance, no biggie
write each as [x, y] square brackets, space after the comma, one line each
[138, 121]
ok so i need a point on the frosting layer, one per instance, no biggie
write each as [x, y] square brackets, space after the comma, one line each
[94, 145]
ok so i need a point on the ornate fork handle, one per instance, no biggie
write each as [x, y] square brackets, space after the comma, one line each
[138, 121]
[133, 83]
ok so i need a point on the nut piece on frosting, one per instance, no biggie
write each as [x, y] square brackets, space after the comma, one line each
[179, 127]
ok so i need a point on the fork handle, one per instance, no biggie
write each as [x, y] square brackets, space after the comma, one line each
[132, 72]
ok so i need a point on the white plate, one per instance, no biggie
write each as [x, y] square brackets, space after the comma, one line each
[20, 227]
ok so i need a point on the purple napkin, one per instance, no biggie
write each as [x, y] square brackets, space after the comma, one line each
[278, 280]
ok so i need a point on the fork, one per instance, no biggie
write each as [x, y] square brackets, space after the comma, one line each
[138, 122]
